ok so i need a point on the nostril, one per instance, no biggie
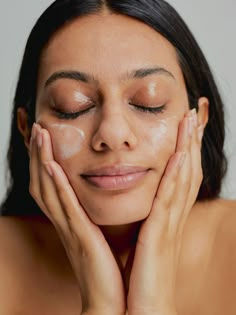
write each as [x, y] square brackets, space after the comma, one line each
[103, 146]
[126, 144]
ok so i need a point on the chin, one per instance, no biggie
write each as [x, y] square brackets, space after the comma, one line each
[116, 219]
[118, 210]
[117, 207]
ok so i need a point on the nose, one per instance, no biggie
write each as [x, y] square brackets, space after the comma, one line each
[114, 133]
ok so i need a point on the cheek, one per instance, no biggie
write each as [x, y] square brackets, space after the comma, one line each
[160, 139]
[67, 141]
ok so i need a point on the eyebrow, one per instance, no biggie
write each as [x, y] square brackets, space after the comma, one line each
[144, 72]
[87, 78]
[73, 75]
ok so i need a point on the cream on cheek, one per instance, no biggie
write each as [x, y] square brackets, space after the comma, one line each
[161, 135]
[160, 138]
[67, 140]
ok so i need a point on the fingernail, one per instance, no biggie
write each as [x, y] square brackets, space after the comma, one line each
[39, 139]
[49, 169]
[200, 132]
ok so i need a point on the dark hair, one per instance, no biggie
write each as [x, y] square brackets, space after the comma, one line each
[197, 74]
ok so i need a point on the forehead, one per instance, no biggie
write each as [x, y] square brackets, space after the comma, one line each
[107, 46]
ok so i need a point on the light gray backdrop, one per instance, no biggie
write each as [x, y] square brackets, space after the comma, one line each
[212, 21]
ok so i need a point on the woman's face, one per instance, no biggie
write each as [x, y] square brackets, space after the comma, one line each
[111, 94]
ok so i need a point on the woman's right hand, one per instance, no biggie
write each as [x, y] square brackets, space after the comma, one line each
[93, 263]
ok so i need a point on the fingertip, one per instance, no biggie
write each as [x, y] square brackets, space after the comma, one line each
[45, 134]
[47, 151]
[33, 132]
[39, 139]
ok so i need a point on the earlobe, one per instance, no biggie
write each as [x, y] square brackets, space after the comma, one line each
[22, 124]
[203, 111]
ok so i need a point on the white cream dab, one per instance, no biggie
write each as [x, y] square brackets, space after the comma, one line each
[81, 98]
[152, 89]
[67, 140]
[159, 135]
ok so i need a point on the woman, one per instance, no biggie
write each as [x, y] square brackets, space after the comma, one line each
[120, 122]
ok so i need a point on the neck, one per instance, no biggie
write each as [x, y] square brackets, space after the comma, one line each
[121, 238]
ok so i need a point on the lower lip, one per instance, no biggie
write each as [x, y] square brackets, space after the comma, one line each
[117, 182]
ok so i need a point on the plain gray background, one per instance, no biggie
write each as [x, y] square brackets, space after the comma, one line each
[213, 22]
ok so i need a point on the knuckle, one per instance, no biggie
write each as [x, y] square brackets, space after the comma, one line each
[163, 203]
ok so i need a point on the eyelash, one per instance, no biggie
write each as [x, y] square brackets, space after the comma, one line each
[69, 115]
[141, 108]
[151, 110]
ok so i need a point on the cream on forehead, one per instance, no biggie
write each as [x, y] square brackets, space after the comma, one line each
[67, 140]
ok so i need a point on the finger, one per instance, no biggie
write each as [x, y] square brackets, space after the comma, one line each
[47, 188]
[160, 213]
[184, 143]
[183, 181]
[195, 172]
[196, 162]
[58, 193]
[167, 187]
[34, 186]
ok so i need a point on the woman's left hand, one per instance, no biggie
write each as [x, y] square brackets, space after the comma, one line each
[153, 277]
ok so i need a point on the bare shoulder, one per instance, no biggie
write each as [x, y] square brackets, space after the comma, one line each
[17, 254]
[30, 254]
[209, 258]
[12, 232]
[18, 234]
[221, 280]
[27, 243]
[220, 218]
[210, 231]
[215, 215]
[227, 227]
[13, 256]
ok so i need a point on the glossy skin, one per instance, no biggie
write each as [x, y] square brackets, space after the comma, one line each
[113, 133]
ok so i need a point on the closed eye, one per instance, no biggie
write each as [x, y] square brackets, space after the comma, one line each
[142, 108]
[149, 109]
[70, 115]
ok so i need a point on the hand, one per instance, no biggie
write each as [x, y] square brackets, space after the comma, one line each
[89, 253]
[153, 275]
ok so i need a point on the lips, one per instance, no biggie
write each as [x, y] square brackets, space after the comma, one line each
[116, 177]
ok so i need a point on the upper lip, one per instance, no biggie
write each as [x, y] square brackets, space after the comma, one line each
[115, 170]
